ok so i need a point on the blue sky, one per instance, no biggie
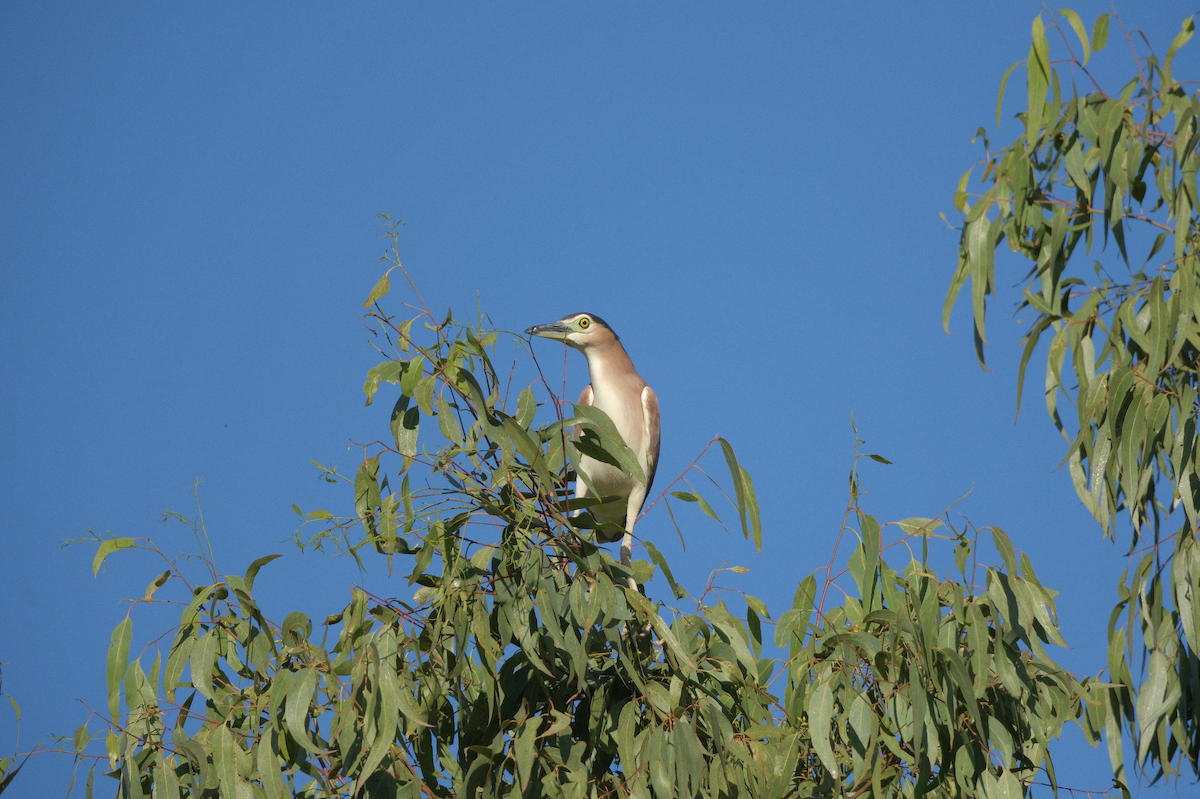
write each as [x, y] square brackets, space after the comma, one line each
[750, 196]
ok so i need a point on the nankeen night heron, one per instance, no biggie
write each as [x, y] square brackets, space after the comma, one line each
[619, 391]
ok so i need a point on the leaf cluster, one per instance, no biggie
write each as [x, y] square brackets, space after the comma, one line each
[527, 663]
[537, 687]
[1123, 165]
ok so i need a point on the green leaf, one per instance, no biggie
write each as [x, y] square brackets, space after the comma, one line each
[156, 584]
[366, 492]
[299, 697]
[980, 245]
[806, 594]
[918, 525]
[1000, 97]
[747, 501]
[962, 681]
[268, 765]
[1100, 33]
[1182, 38]
[1080, 31]
[166, 777]
[469, 387]
[387, 371]
[118, 658]
[448, 422]
[689, 761]
[203, 658]
[1153, 701]
[414, 372]
[525, 750]
[526, 407]
[405, 424]
[820, 716]
[754, 626]
[625, 737]
[661, 762]
[759, 606]
[6, 780]
[708, 509]
[956, 283]
[192, 612]
[257, 564]
[382, 287]
[1037, 81]
[296, 628]
[1159, 240]
[107, 547]
[607, 444]
[423, 393]
[687, 496]
[197, 758]
[1031, 340]
[1005, 548]
[1185, 571]
[661, 562]
[792, 625]
[1006, 786]
[225, 761]
[404, 336]
[862, 724]
[1041, 46]
[82, 739]
[388, 692]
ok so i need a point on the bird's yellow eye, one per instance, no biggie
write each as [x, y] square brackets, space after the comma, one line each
[584, 322]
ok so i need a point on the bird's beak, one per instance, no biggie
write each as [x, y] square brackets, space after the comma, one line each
[554, 330]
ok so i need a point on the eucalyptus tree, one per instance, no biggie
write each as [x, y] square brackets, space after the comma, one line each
[1099, 193]
[517, 658]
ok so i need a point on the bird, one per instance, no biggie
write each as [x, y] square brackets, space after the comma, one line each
[617, 389]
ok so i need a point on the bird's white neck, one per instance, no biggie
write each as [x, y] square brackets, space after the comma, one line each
[608, 366]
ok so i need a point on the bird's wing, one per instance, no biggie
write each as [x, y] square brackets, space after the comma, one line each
[650, 433]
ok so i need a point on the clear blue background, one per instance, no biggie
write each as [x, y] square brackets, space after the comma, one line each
[749, 195]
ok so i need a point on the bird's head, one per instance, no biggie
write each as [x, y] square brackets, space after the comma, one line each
[579, 330]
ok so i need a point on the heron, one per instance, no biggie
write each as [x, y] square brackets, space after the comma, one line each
[617, 389]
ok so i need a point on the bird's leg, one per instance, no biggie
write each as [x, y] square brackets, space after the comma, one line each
[627, 556]
[636, 498]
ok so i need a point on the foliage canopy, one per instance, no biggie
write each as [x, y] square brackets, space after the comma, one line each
[525, 664]
[1122, 165]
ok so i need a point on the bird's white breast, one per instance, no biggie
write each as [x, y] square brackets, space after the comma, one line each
[620, 399]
